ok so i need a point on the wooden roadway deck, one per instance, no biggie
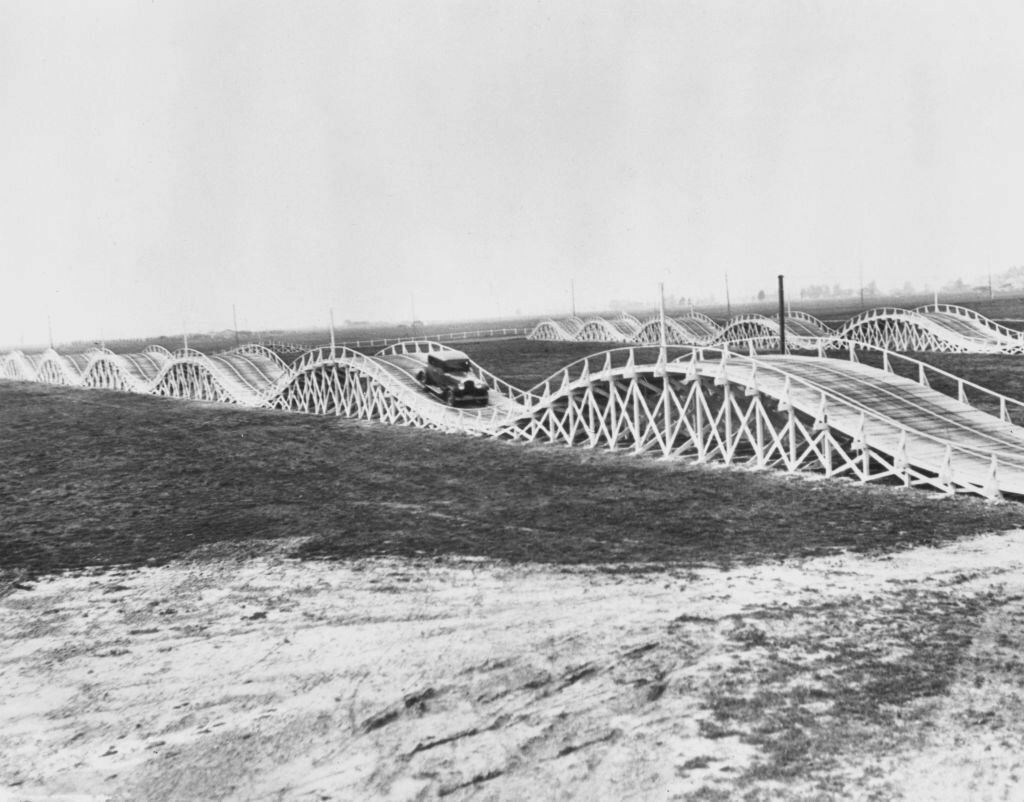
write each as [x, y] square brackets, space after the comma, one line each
[932, 431]
[498, 412]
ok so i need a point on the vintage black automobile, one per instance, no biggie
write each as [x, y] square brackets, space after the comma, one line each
[447, 374]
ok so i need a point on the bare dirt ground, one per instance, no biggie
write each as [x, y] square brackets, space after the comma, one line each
[847, 676]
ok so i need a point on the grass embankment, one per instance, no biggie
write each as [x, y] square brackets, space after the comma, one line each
[102, 478]
[826, 690]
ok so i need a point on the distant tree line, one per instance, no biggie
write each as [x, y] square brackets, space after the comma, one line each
[814, 292]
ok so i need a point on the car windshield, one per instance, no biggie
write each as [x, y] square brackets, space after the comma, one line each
[457, 365]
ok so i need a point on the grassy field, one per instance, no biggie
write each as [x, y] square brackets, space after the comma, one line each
[101, 478]
[827, 686]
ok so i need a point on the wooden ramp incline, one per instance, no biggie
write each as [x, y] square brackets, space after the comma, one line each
[973, 325]
[804, 325]
[144, 367]
[254, 372]
[499, 410]
[970, 330]
[897, 416]
[694, 330]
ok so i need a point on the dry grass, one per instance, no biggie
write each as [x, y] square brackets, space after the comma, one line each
[101, 478]
[856, 676]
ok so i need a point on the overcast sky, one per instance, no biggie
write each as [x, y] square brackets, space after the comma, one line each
[161, 161]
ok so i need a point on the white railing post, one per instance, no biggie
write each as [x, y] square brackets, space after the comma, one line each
[821, 421]
[991, 488]
[691, 369]
[629, 372]
[722, 376]
[902, 462]
[752, 388]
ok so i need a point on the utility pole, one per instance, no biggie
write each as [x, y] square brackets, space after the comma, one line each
[234, 318]
[728, 303]
[664, 335]
[782, 315]
[663, 361]
[49, 329]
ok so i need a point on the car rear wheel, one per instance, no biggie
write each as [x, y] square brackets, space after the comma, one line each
[448, 396]
[421, 377]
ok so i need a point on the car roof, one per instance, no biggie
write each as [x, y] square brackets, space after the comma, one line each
[448, 353]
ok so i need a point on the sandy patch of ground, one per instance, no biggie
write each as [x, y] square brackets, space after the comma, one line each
[389, 679]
